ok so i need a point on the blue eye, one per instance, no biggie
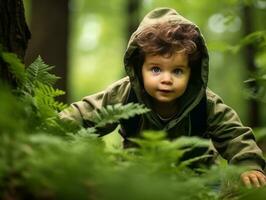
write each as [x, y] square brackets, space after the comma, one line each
[178, 71]
[155, 70]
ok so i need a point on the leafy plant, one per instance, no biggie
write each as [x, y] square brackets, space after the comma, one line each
[42, 157]
[113, 113]
[38, 71]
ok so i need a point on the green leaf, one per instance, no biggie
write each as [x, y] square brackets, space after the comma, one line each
[223, 47]
[49, 91]
[38, 71]
[258, 38]
[114, 113]
[15, 66]
[44, 97]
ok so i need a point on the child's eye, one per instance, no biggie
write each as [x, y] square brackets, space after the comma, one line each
[155, 70]
[178, 71]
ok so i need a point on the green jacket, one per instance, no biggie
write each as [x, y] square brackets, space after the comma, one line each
[230, 138]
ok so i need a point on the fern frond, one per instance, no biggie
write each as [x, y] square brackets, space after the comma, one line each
[38, 71]
[183, 142]
[188, 162]
[114, 113]
[15, 66]
[49, 91]
[49, 103]
[44, 96]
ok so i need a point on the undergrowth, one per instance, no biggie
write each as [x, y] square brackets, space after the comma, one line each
[43, 157]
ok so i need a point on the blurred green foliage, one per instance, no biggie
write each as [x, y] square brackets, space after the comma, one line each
[96, 45]
[43, 157]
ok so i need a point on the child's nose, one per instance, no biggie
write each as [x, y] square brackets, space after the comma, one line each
[166, 78]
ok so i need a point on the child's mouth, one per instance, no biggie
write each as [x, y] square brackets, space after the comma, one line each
[165, 91]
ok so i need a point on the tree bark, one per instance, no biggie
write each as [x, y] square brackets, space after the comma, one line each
[14, 34]
[49, 27]
[249, 51]
[133, 7]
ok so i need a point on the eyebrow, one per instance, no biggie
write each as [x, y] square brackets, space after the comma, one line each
[180, 66]
[153, 63]
[158, 63]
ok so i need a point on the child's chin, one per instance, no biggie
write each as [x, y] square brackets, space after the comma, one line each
[165, 100]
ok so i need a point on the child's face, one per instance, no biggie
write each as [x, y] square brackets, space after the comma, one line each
[165, 78]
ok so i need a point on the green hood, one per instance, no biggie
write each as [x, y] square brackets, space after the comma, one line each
[198, 81]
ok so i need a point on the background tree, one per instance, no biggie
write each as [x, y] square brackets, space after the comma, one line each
[133, 10]
[49, 27]
[249, 56]
[14, 33]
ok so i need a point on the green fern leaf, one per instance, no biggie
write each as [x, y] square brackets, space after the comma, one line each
[49, 91]
[44, 96]
[15, 66]
[38, 71]
[187, 162]
[114, 113]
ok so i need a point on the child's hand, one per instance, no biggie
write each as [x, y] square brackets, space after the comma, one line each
[253, 178]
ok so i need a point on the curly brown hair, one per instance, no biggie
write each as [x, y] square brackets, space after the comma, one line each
[168, 38]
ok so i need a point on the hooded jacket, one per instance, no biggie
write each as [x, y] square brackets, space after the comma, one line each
[234, 142]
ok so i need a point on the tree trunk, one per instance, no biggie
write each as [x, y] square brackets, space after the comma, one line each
[49, 27]
[14, 34]
[132, 19]
[253, 105]
[133, 7]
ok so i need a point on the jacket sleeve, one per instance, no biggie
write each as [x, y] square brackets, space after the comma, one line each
[81, 112]
[235, 142]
